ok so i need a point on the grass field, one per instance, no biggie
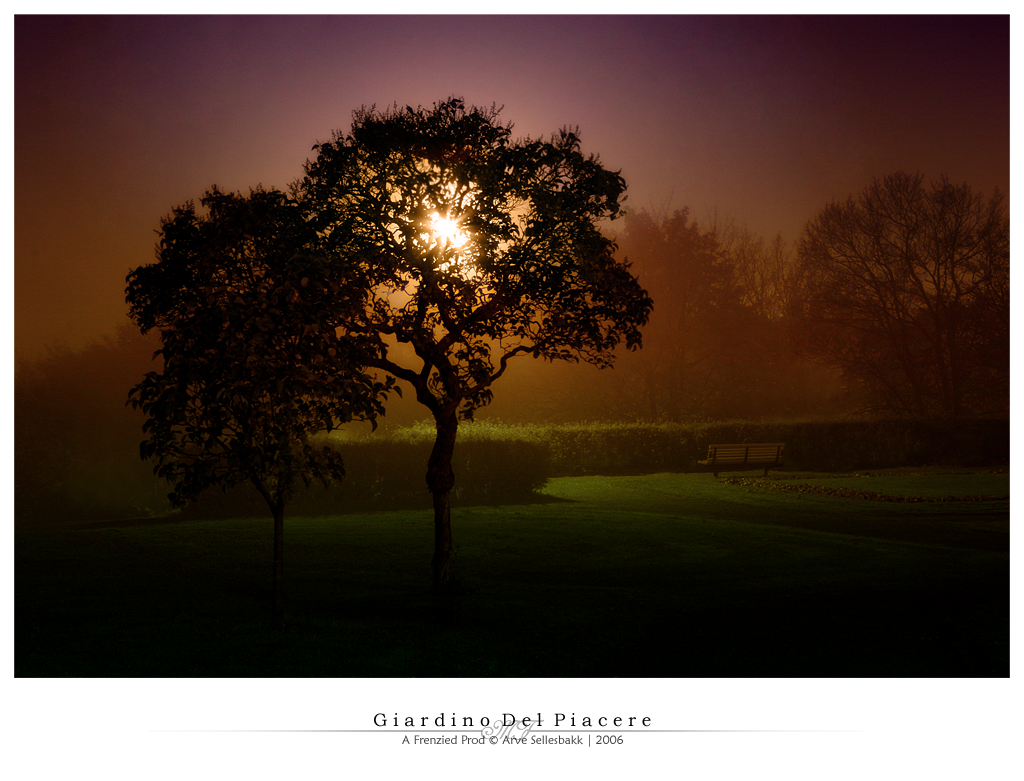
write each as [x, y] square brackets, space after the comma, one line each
[678, 575]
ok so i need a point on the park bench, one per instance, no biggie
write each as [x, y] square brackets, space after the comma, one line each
[722, 458]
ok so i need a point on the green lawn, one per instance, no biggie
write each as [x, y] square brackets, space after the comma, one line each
[677, 575]
[926, 484]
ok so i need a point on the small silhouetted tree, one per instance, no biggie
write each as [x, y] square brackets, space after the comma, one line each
[476, 248]
[255, 359]
[905, 288]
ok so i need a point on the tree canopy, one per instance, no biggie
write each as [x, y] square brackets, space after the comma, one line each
[476, 248]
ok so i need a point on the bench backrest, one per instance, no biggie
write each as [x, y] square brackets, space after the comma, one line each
[745, 454]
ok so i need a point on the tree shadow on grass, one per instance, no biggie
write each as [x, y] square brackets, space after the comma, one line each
[224, 510]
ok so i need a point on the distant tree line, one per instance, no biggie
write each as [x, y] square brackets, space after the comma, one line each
[894, 303]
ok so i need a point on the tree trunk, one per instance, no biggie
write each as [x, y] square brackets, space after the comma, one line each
[277, 612]
[440, 479]
[276, 506]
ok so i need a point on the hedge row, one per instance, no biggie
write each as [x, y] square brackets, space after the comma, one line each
[498, 463]
[491, 464]
[876, 444]
[506, 463]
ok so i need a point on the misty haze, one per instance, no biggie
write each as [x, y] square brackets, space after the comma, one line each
[433, 375]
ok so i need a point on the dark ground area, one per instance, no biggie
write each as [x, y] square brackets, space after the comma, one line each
[657, 575]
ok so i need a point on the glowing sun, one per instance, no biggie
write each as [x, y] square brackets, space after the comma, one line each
[447, 231]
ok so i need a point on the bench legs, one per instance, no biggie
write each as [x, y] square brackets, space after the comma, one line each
[715, 473]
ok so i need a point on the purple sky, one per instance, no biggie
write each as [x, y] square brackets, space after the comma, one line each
[762, 119]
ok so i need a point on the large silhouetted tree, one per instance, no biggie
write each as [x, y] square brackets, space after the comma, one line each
[476, 248]
[906, 289]
[255, 354]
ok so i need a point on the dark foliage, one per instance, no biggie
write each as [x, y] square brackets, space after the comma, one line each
[253, 363]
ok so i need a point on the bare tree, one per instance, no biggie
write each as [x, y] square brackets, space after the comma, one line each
[906, 289]
[762, 273]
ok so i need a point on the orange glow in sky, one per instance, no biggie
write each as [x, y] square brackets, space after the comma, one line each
[759, 120]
